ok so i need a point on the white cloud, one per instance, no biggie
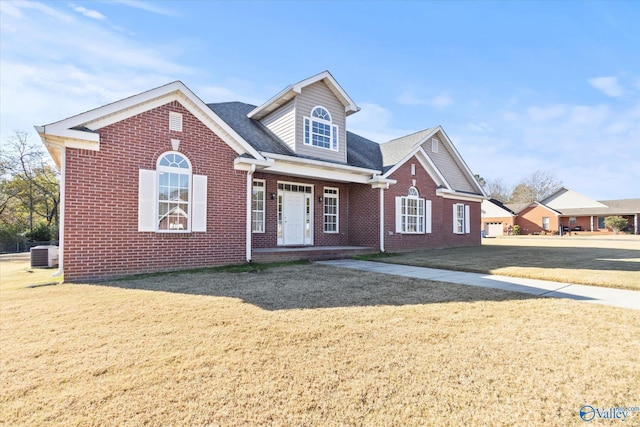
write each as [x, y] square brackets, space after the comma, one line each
[93, 14]
[148, 7]
[375, 123]
[607, 85]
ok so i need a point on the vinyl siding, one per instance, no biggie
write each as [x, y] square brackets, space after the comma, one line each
[312, 96]
[447, 165]
[281, 123]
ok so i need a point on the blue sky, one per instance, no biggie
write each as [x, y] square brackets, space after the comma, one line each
[517, 86]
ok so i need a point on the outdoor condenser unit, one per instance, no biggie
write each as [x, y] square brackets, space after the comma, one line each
[44, 256]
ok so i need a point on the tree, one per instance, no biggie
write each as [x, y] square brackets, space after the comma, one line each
[497, 189]
[535, 187]
[616, 223]
[480, 180]
[29, 185]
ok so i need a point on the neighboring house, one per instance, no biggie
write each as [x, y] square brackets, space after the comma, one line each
[563, 211]
[578, 212]
[162, 181]
[496, 218]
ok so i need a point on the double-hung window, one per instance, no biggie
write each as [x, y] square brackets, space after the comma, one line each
[330, 210]
[319, 130]
[461, 220]
[171, 199]
[174, 184]
[413, 213]
[257, 206]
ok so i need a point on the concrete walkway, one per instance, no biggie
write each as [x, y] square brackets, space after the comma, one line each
[542, 288]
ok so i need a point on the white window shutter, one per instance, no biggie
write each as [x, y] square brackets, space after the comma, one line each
[199, 208]
[398, 214]
[467, 220]
[146, 200]
[427, 216]
[455, 218]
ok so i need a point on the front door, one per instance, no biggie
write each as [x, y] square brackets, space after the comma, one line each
[293, 221]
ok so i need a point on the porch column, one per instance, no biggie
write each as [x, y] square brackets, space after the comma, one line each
[249, 202]
[635, 224]
[591, 222]
[382, 219]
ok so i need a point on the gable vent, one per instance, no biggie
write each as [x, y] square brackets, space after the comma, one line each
[175, 121]
[434, 145]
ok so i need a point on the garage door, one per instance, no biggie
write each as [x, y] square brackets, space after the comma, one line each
[493, 229]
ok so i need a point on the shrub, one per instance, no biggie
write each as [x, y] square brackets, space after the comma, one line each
[616, 223]
[516, 230]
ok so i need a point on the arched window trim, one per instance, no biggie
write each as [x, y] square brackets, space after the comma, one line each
[182, 208]
[413, 193]
[320, 132]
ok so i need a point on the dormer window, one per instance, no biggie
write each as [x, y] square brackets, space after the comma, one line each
[319, 131]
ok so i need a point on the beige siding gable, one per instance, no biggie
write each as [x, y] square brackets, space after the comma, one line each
[445, 161]
[491, 210]
[282, 123]
[318, 94]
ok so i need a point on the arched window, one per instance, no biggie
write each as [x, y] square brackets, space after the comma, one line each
[174, 192]
[413, 213]
[319, 130]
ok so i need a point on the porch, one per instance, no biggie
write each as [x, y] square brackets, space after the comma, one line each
[312, 253]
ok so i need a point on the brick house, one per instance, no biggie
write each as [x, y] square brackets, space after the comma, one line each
[563, 211]
[162, 181]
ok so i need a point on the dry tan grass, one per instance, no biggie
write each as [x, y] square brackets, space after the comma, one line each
[606, 262]
[308, 345]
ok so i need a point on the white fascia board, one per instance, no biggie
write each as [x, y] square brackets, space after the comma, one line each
[118, 106]
[460, 196]
[461, 161]
[309, 168]
[289, 92]
[380, 182]
[133, 105]
[246, 164]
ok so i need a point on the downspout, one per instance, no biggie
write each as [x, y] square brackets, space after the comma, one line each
[63, 173]
[381, 219]
[249, 203]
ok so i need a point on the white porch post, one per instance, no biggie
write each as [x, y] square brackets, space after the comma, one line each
[635, 224]
[381, 219]
[249, 202]
[591, 222]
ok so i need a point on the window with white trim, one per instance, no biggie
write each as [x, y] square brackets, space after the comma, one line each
[461, 219]
[330, 210]
[257, 206]
[545, 222]
[171, 199]
[413, 213]
[174, 185]
[319, 131]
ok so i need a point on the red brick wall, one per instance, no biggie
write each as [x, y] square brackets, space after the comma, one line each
[269, 239]
[364, 207]
[101, 211]
[530, 220]
[441, 210]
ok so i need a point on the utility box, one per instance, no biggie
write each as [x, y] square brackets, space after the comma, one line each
[44, 256]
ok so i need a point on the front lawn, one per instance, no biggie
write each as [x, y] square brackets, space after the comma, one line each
[610, 262]
[308, 345]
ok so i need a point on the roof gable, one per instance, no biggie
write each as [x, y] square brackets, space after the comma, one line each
[79, 131]
[449, 164]
[291, 91]
[566, 198]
